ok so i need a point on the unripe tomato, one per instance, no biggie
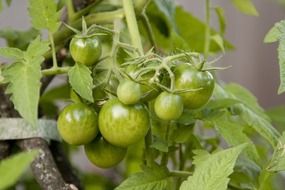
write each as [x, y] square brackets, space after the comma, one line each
[85, 50]
[77, 124]
[103, 154]
[123, 125]
[168, 106]
[188, 77]
[129, 92]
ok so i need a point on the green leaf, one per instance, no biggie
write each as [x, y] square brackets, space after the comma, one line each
[192, 30]
[25, 90]
[233, 134]
[276, 32]
[219, 41]
[156, 177]
[177, 29]
[251, 112]
[281, 61]
[222, 103]
[19, 39]
[277, 162]
[276, 114]
[11, 53]
[222, 20]
[81, 81]
[245, 6]
[44, 14]
[12, 168]
[212, 171]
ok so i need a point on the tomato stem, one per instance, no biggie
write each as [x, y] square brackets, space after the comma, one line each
[180, 173]
[132, 25]
[207, 30]
[148, 28]
[70, 9]
[54, 60]
[55, 71]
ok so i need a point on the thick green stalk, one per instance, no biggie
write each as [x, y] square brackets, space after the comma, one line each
[207, 29]
[132, 25]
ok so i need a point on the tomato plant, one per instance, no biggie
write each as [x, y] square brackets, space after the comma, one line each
[136, 83]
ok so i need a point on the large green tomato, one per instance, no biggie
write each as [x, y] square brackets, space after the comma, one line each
[186, 78]
[103, 154]
[85, 50]
[129, 92]
[123, 125]
[77, 124]
[168, 106]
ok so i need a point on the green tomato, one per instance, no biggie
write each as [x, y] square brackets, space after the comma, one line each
[168, 106]
[77, 124]
[103, 154]
[123, 125]
[85, 50]
[129, 92]
[186, 78]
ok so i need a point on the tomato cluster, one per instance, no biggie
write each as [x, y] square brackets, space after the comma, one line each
[123, 101]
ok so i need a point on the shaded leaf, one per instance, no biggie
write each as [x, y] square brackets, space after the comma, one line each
[81, 81]
[12, 168]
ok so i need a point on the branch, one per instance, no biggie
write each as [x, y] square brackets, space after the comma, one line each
[43, 167]
[63, 164]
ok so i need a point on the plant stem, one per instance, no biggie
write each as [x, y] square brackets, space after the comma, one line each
[70, 9]
[149, 30]
[85, 10]
[55, 71]
[96, 18]
[132, 25]
[148, 151]
[164, 158]
[54, 61]
[180, 173]
[207, 42]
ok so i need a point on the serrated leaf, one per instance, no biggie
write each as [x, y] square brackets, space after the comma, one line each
[245, 6]
[81, 81]
[222, 20]
[212, 171]
[11, 53]
[277, 162]
[19, 39]
[151, 178]
[12, 168]
[281, 61]
[44, 14]
[251, 112]
[276, 32]
[233, 134]
[24, 81]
